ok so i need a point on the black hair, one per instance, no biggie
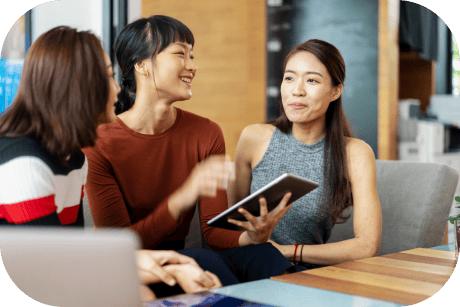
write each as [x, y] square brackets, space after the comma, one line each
[140, 40]
[336, 187]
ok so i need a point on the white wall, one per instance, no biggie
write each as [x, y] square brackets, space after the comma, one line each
[134, 10]
[80, 14]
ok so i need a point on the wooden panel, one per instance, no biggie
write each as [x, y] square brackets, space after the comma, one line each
[431, 253]
[377, 280]
[388, 79]
[396, 272]
[401, 264]
[417, 79]
[422, 259]
[230, 54]
[406, 278]
[353, 288]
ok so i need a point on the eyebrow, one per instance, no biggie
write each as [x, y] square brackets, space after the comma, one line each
[307, 73]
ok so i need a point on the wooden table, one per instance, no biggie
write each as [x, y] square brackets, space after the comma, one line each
[406, 278]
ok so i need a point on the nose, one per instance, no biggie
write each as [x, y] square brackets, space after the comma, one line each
[298, 89]
[191, 66]
[118, 88]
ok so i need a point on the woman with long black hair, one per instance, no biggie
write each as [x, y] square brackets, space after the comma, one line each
[312, 139]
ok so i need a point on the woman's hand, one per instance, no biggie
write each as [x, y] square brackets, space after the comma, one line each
[192, 278]
[206, 178]
[151, 265]
[259, 229]
[147, 295]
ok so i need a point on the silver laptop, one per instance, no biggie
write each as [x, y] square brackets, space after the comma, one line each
[70, 267]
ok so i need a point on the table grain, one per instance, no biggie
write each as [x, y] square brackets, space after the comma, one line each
[407, 277]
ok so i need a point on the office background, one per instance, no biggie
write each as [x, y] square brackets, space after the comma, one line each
[256, 93]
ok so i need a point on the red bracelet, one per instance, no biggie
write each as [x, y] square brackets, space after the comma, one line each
[295, 251]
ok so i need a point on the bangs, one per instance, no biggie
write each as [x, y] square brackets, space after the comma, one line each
[168, 31]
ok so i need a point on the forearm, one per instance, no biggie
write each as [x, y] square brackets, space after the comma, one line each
[179, 202]
[331, 253]
[217, 238]
[156, 227]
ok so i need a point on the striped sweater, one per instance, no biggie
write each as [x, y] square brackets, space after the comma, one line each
[35, 189]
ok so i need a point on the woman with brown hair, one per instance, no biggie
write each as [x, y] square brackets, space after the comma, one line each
[64, 93]
[312, 139]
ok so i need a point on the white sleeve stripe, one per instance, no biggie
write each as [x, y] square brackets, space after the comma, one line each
[25, 178]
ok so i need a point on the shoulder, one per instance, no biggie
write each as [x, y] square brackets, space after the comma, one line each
[21, 145]
[258, 133]
[359, 154]
[356, 147]
[24, 148]
[198, 123]
[23, 164]
[253, 143]
[108, 137]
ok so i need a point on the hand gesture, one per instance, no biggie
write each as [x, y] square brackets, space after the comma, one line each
[151, 265]
[259, 229]
[205, 179]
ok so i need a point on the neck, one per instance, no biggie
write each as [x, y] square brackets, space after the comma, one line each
[309, 133]
[149, 115]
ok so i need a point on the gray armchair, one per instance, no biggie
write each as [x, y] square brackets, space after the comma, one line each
[416, 199]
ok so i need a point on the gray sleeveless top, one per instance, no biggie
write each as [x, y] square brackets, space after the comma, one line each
[308, 221]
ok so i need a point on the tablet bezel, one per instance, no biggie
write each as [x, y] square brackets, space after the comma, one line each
[273, 193]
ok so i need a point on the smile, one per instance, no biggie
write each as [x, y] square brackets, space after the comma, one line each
[187, 80]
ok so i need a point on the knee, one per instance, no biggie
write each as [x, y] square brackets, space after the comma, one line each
[203, 256]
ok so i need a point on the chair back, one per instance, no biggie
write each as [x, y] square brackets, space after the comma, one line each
[416, 199]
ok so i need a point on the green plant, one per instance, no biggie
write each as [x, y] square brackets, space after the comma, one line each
[452, 219]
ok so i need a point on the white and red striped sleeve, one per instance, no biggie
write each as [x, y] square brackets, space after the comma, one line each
[69, 193]
[27, 190]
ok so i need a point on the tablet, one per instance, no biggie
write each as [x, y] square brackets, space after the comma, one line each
[273, 193]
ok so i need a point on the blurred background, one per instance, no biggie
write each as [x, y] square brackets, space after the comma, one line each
[402, 88]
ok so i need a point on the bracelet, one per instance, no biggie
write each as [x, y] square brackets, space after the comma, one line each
[301, 250]
[295, 252]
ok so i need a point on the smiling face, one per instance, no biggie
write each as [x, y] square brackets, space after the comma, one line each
[173, 72]
[114, 89]
[307, 90]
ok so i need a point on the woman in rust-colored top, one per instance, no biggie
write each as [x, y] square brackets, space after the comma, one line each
[151, 166]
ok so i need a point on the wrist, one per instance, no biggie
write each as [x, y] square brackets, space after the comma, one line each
[180, 201]
[288, 252]
[245, 239]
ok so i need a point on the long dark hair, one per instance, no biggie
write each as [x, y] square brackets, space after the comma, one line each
[336, 184]
[62, 93]
[140, 40]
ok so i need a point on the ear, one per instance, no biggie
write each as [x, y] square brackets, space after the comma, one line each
[142, 68]
[337, 91]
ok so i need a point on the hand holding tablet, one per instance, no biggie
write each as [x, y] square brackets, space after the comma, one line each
[273, 194]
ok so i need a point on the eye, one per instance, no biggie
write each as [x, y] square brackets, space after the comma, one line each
[312, 81]
[288, 78]
[192, 57]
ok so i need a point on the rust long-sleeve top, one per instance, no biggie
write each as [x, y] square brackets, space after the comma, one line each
[131, 175]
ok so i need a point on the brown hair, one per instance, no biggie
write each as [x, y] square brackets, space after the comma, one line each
[336, 183]
[62, 93]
